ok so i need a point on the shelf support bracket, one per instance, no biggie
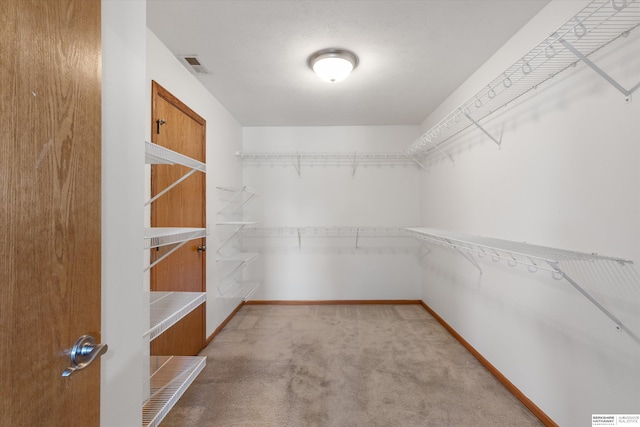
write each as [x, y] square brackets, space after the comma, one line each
[420, 164]
[231, 199]
[626, 92]
[249, 197]
[157, 196]
[175, 248]
[234, 271]
[233, 234]
[297, 163]
[355, 164]
[469, 258]
[441, 151]
[425, 246]
[251, 292]
[498, 142]
[573, 283]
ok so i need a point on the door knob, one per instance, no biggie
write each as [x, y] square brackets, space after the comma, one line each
[83, 353]
[202, 248]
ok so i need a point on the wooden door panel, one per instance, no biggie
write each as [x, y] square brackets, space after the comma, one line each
[182, 336]
[182, 131]
[50, 210]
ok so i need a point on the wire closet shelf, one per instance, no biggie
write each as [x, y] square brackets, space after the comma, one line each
[352, 159]
[354, 232]
[597, 25]
[326, 231]
[563, 264]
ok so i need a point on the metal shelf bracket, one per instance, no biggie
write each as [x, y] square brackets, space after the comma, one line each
[626, 92]
[167, 189]
[175, 248]
[469, 258]
[237, 193]
[534, 257]
[555, 266]
[498, 142]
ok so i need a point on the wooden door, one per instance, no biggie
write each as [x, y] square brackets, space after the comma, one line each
[180, 129]
[50, 131]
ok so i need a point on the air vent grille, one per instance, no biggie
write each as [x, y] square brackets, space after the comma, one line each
[193, 64]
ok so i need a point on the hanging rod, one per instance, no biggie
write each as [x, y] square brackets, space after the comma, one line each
[559, 262]
[596, 26]
[352, 159]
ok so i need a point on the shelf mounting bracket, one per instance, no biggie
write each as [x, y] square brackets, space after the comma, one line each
[236, 195]
[233, 272]
[297, 163]
[588, 296]
[441, 151]
[469, 258]
[175, 248]
[355, 164]
[420, 164]
[626, 92]
[498, 142]
[166, 190]
[230, 238]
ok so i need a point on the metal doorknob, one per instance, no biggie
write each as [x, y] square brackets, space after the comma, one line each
[202, 248]
[83, 353]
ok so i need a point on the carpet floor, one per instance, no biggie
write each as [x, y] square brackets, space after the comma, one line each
[343, 365]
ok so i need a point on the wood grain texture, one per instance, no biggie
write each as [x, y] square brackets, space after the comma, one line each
[184, 131]
[50, 167]
[544, 418]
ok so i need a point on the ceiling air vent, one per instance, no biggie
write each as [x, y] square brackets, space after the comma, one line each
[193, 64]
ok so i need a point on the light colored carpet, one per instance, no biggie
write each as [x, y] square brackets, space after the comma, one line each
[343, 365]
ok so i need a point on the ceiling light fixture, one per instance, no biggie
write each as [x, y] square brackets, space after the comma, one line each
[333, 64]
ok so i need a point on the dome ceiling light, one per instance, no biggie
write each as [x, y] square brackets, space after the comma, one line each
[333, 65]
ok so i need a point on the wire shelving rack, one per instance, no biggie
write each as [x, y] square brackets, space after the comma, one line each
[562, 264]
[596, 26]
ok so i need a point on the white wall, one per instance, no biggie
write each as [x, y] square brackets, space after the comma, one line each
[224, 135]
[123, 122]
[328, 195]
[567, 176]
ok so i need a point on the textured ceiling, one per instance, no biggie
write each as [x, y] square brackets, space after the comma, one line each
[413, 54]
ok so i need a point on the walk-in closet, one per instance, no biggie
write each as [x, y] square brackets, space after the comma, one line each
[445, 230]
[506, 203]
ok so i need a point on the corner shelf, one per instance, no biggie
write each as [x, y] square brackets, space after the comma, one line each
[170, 377]
[353, 159]
[167, 308]
[239, 226]
[562, 264]
[158, 155]
[230, 286]
[596, 26]
[241, 196]
[243, 290]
